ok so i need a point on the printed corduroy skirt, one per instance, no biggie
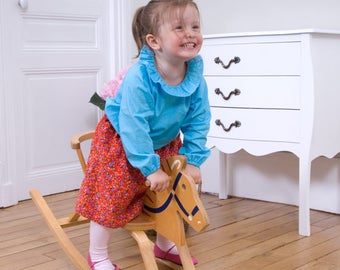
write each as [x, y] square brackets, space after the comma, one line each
[112, 191]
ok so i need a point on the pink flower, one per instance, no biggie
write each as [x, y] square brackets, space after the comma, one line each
[111, 88]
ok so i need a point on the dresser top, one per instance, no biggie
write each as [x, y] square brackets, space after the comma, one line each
[275, 33]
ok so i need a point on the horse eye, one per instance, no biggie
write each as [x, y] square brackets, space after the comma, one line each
[184, 187]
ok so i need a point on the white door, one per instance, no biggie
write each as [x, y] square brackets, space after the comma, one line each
[55, 54]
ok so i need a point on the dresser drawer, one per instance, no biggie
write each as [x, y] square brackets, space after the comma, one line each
[255, 59]
[256, 124]
[254, 92]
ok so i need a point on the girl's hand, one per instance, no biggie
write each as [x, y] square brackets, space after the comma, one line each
[194, 172]
[159, 181]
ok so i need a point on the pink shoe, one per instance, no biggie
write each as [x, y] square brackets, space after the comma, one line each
[93, 264]
[171, 257]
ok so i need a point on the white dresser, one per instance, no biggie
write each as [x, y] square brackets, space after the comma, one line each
[275, 91]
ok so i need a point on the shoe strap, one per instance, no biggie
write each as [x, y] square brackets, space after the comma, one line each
[94, 263]
[168, 251]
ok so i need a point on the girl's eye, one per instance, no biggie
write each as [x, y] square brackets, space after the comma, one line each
[179, 27]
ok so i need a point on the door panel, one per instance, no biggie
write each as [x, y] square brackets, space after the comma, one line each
[57, 55]
[59, 32]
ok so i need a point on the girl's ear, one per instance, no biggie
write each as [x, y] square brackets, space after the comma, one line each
[152, 42]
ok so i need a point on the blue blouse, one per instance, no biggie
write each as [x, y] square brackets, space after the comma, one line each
[148, 114]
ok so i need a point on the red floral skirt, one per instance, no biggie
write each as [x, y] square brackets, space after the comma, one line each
[112, 191]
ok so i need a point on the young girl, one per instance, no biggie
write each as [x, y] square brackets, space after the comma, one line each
[161, 95]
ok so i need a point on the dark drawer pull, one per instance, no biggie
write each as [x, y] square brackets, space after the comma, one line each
[236, 60]
[235, 124]
[235, 92]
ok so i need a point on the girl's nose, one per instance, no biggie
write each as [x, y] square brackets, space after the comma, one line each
[189, 32]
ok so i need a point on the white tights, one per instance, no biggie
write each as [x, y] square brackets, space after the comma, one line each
[165, 244]
[99, 239]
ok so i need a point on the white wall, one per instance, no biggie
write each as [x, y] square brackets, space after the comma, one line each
[221, 16]
[274, 178]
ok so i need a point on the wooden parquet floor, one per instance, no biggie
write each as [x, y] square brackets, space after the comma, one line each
[243, 235]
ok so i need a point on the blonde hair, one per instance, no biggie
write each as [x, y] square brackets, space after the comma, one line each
[147, 19]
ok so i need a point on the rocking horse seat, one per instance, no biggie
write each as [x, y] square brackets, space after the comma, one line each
[141, 223]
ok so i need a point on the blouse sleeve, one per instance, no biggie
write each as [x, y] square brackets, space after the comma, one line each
[196, 126]
[135, 111]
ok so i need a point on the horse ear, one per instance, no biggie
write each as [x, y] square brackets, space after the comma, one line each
[174, 164]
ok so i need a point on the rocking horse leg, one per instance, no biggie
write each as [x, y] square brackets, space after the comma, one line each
[185, 255]
[71, 251]
[146, 249]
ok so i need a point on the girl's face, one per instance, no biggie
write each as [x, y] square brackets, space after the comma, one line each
[180, 36]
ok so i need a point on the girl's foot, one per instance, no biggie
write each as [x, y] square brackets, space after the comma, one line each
[167, 255]
[104, 264]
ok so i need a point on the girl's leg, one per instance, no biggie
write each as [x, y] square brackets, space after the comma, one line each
[165, 244]
[166, 249]
[98, 252]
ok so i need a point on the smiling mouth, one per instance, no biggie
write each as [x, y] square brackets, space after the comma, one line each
[189, 45]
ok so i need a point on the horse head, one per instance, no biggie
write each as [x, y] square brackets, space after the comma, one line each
[181, 197]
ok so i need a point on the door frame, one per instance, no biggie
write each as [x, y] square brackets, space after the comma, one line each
[120, 27]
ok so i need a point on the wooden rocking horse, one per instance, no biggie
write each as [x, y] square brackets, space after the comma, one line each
[163, 212]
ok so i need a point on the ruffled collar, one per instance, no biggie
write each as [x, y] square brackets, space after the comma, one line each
[190, 83]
